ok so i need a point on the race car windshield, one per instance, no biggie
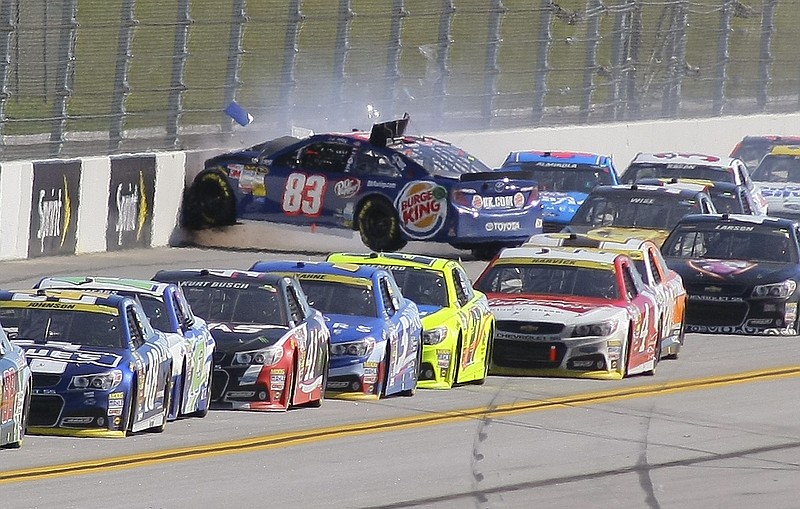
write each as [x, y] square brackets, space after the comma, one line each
[728, 203]
[251, 305]
[679, 171]
[780, 169]
[563, 180]
[83, 328]
[634, 210]
[550, 280]
[337, 298]
[441, 159]
[425, 287]
[751, 242]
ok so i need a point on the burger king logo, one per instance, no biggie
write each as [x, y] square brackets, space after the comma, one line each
[422, 207]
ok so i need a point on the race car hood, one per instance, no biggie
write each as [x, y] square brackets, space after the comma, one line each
[560, 207]
[239, 337]
[58, 357]
[348, 328]
[783, 199]
[741, 272]
[428, 310]
[551, 309]
[620, 234]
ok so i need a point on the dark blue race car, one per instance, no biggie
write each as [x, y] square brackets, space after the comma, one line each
[389, 186]
[564, 179]
[375, 332]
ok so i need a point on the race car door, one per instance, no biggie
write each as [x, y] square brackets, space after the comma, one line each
[642, 308]
[473, 313]
[151, 372]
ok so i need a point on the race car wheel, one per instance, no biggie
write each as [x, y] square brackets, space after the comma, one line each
[379, 226]
[209, 201]
[207, 393]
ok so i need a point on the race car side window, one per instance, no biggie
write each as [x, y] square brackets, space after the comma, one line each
[631, 288]
[463, 290]
[389, 300]
[296, 312]
[325, 157]
[655, 267]
[371, 162]
[135, 327]
[185, 316]
[744, 198]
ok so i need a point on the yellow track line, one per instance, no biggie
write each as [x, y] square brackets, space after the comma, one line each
[429, 419]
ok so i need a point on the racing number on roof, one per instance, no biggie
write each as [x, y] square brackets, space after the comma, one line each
[303, 194]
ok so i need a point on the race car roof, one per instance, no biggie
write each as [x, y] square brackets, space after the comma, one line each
[575, 240]
[91, 301]
[557, 157]
[555, 255]
[102, 283]
[681, 191]
[393, 259]
[243, 276]
[664, 158]
[340, 269]
[738, 218]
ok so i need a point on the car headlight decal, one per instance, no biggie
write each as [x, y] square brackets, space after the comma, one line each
[360, 348]
[100, 381]
[266, 357]
[595, 329]
[780, 290]
[434, 336]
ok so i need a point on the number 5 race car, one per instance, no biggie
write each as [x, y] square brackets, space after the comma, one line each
[390, 186]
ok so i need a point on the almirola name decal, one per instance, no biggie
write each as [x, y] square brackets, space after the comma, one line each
[423, 208]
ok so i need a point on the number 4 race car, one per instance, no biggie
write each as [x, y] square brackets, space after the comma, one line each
[390, 186]
[457, 326]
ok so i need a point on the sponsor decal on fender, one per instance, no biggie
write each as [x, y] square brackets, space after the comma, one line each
[422, 207]
[347, 188]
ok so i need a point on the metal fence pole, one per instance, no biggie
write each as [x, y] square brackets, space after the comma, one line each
[676, 56]
[542, 63]
[178, 84]
[444, 41]
[7, 28]
[235, 52]
[594, 8]
[491, 69]
[765, 54]
[290, 50]
[632, 97]
[723, 57]
[344, 21]
[121, 86]
[393, 56]
[64, 77]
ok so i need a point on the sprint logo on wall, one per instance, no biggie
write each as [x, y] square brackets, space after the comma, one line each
[130, 202]
[54, 208]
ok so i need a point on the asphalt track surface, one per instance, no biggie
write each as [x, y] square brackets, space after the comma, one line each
[718, 427]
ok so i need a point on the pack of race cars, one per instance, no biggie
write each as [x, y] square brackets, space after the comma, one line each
[639, 261]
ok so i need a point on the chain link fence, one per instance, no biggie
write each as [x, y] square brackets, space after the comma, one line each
[93, 77]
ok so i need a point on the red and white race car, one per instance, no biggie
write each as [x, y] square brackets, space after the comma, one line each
[570, 312]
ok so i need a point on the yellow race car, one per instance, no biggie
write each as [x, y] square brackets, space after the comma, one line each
[457, 324]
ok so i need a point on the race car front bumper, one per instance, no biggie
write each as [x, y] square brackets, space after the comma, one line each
[711, 314]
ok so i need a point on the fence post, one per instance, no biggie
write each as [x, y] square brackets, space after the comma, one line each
[63, 88]
[723, 57]
[7, 27]
[765, 55]
[676, 67]
[444, 41]
[235, 52]
[393, 56]
[290, 50]
[491, 69]
[542, 63]
[594, 8]
[177, 84]
[121, 86]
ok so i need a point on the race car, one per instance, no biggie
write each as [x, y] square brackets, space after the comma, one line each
[457, 326]
[573, 313]
[665, 283]
[16, 387]
[564, 179]
[778, 178]
[694, 166]
[753, 148]
[642, 211]
[390, 186]
[190, 342]
[272, 348]
[740, 272]
[99, 368]
[728, 198]
[375, 330]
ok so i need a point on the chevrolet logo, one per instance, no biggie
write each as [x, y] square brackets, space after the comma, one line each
[528, 328]
[712, 289]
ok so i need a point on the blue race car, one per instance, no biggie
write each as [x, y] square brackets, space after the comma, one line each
[190, 342]
[376, 333]
[15, 393]
[272, 349]
[389, 186]
[564, 180]
[99, 368]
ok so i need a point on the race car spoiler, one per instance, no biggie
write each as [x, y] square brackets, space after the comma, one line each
[498, 175]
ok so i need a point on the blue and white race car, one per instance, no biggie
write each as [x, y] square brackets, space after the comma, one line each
[99, 367]
[376, 333]
[190, 342]
[564, 180]
[15, 393]
[389, 186]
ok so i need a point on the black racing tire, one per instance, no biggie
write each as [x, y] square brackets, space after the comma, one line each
[24, 424]
[379, 226]
[209, 202]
